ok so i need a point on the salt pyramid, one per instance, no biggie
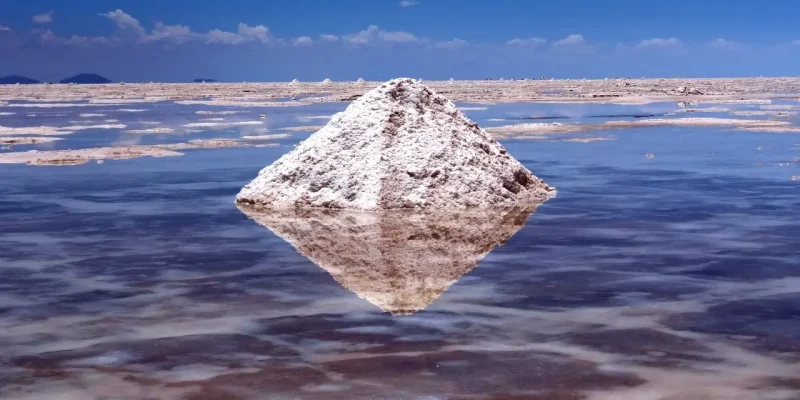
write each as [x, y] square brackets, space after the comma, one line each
[400, 145]
[398, 260]
[359, 81]
[294, 82]
[326, 81]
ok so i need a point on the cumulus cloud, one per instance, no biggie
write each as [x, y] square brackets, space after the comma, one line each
[658, 42]
[529, 42]
[126, 24]
[4, 28]
[452, 44]
[328, 38]
[44, 18]
[374, 34]
[303, 41]
[408, 3]
[176, 34]
[570, 40]
[245, 34]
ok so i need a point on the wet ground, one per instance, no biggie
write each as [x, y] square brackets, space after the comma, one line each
[669, 276]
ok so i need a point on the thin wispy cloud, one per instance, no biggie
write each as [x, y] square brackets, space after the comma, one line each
[373, 34]
[529, 42]
[723, 44]
[658, 42]
[408, 3]
[44, 18]
[452, 44]
[4, 28]
[570, 40]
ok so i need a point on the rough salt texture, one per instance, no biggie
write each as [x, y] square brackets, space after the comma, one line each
[398, 260]
[399, 146]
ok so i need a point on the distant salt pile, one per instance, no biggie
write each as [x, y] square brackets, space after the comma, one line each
[326, 81]
[294, 82]
[452, 81]
[360, 81]
[400, 145]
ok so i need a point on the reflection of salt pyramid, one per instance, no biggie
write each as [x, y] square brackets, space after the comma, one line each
[398, 260]
[400, 145]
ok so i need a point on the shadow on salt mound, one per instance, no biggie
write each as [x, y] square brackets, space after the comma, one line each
[398, 260]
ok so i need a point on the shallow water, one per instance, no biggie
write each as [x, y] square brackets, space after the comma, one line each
[671, 277]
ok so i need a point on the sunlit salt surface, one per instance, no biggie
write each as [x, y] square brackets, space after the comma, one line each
[667, 267]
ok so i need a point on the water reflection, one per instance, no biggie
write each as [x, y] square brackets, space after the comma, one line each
[400, 261]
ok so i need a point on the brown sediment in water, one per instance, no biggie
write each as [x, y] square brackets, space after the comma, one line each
[152, 130]
[267, 137]
[33, 130]
[77, 157]
[27, 140]
[589, 140]
[82, 156]
[307, 128]
[771, 113]
[772, 129]
[559, 128]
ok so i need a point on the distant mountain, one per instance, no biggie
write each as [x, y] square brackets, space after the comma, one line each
[14, 79]
[86, 78]
[204, 80]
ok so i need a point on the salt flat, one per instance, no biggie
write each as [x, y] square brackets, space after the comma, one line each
[618, 90]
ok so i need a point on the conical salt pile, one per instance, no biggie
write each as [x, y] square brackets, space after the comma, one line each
[294, 82]
[326, 81]
[360, 81]
[400, 145]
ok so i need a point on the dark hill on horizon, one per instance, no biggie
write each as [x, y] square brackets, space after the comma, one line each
[85, 78]
[14, 79]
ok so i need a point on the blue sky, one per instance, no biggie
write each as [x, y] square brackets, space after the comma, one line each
[178, 40]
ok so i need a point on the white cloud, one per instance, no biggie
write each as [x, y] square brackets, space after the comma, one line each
[4, 28]
[571, 40]
[328, 38]
[44, 18]
[303, 41]
[408, 3]
[258, 32]
[529, 42]
[125, 23]
[452, 44]
[175, 34]
[658, 43]
[373, 34]
[244, 34]
[49, 37]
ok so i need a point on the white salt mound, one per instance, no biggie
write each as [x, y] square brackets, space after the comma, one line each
[400, 145]
[360, 81]
[326, 81]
